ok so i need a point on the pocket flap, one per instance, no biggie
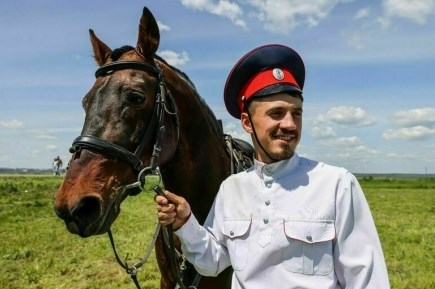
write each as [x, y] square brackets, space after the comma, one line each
[310, 231]
[236, 227]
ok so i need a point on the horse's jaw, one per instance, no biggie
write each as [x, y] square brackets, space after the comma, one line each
[89, 199]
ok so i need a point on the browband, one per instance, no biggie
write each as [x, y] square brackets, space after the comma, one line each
[119, 65]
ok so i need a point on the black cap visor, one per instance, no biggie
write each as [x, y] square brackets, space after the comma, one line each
[276, 88]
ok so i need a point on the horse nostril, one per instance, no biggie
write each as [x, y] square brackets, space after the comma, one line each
[61, 212]
[87, 210]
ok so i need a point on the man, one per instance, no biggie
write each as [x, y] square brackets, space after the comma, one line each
[57, 164]
[287, 222]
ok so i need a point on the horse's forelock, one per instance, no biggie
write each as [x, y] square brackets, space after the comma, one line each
[117, 53]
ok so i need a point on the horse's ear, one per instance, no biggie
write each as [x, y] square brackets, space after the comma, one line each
[149, 36]
[101, 50]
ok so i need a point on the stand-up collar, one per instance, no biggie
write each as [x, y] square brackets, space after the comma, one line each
[278, 169]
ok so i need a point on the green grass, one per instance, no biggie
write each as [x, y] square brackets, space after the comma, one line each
[404, 213]
[36, 251]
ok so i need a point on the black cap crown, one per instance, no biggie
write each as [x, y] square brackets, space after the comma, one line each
[273, 57]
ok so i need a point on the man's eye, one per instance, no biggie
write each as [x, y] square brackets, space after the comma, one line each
[297, 114]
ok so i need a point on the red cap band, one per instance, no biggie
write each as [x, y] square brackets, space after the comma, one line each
[264, 79]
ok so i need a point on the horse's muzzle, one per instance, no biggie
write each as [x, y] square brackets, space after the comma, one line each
[85, 217]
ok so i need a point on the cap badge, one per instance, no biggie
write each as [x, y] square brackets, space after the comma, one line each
[278, 74]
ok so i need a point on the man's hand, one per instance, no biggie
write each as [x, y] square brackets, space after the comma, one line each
[172, 209]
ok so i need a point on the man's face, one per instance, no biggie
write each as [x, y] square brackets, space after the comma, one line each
[277, 120]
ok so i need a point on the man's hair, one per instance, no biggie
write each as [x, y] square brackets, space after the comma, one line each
[249, 106]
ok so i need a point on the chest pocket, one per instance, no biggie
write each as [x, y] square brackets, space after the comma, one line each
[237, 233]
[309, 247]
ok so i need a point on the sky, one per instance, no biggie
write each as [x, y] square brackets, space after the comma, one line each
[369, 94]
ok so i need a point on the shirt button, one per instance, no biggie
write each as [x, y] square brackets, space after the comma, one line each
[265, 221]
[268, 185]
[309, 238]
[267, 203]
[231, 233]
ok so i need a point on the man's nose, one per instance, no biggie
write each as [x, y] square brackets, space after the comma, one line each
[288, 121]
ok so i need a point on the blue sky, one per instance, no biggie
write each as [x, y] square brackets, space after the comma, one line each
[369, 91]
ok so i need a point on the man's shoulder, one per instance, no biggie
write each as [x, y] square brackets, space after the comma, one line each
[322, 166]
[240, 175]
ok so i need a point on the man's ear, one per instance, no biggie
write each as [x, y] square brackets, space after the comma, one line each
[246, 122]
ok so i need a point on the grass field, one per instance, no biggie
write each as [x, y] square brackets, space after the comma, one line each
[37, 252]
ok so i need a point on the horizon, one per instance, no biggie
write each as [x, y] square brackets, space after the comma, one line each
[4, 170]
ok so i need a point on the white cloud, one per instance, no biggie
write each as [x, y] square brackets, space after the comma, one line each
[174, 58]
[278, 16]
[416, 11]
[410, 133]
[230, 10]
[11, 124]
[355, 39]
[415, 117]
[282, 16]
[237, 132]
[163, 27]
[347, 116]
[323, 132]
[364, 150]
[351, 141]
[45, 134]
[45, 137]
[352, 156]
[51, 148]
[415, 124]
[362, 13]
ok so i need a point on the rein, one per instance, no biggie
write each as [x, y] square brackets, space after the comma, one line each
[156, 128]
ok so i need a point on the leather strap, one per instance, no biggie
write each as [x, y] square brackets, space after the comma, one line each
[120, 65]
[103, 146]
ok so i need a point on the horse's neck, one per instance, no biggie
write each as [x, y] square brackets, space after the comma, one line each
[200, 162]
[199, 166]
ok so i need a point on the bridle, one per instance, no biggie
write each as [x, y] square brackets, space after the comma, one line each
[155, 129]
[156, 124]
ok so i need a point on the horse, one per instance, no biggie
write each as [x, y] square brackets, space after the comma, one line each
[143, 116]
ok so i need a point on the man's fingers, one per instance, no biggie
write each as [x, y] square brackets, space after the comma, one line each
[160, 200]
[173, 198]
[166, 218]
[172, 209]
[166, 208]
[168, 198]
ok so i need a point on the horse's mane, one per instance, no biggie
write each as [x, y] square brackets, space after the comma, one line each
[118, 52]
[218, 127]
[209, 112]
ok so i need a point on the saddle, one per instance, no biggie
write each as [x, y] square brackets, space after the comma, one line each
[241, 152]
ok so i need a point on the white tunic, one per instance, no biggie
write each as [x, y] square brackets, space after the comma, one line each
[296, 223]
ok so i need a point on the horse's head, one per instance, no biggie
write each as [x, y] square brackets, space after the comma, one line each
[125, 109]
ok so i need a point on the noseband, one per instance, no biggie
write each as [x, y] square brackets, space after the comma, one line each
[155, 127]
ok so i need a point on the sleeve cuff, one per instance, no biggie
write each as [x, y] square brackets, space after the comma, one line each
[190, 231]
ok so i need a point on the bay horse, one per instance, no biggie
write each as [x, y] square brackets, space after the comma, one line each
[142, 113]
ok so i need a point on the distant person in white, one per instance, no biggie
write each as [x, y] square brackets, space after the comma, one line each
[288, 221]
[57, 164]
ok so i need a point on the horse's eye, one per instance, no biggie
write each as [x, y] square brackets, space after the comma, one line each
[135, 98]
